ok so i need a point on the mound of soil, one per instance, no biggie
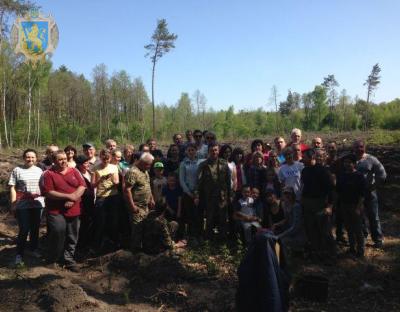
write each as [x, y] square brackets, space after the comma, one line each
[62, 295]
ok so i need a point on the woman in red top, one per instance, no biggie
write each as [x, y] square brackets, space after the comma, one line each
[62, 187]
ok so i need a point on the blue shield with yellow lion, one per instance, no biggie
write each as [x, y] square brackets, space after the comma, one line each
[34, 36]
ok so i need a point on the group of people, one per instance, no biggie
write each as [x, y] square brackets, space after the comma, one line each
[200, 190]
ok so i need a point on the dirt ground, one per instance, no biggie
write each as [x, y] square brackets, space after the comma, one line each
[197, 280]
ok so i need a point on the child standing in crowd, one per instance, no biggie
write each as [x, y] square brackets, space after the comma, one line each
[258, 203]
[159, 181]
[351, 187]
[246, 214]
[26, 203]
[172, 196]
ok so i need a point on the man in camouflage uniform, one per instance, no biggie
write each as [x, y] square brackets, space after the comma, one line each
[213, 191]
[138, 196]
[158, 233]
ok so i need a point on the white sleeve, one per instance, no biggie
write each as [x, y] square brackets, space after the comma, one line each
[13, 177]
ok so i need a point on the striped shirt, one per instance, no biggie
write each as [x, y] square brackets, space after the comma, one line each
[26, 182]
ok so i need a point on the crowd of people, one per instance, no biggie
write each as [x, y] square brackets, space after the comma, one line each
[200, 190]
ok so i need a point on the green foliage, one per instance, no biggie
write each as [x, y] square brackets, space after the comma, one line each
[384, 137]
[67, 108]
[216, 256]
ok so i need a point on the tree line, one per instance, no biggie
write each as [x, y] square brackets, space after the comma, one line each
[42, 105]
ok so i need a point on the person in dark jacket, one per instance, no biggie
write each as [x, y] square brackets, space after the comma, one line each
[352, 188]
[317, 200]
[263, 278]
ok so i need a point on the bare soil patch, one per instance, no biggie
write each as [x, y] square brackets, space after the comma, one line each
[197, 280]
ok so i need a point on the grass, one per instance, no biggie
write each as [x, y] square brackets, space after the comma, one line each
[384, 137]
[217, 258]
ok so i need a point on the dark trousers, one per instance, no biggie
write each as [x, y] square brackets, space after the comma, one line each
[86, 229]
[215, 216]
[354, 224]
[106, 219]
[193, 216]
[124, 225]
[28, 222]
[62, 237]
[318, 227]
[339, 220]
[371, 211]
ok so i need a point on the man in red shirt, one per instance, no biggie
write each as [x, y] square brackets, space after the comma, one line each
[62, 187]
[295, 137]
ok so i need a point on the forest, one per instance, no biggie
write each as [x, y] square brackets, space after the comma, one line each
[40, 104]
[44, 105]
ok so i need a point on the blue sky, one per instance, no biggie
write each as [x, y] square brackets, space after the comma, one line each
[234, 51]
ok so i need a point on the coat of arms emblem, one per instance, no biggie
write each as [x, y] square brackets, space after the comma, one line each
[34, 36]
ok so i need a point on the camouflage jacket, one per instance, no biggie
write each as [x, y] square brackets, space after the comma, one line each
[156, 233]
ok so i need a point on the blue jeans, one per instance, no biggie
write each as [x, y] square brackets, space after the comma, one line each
[28, 222]
[372, 213]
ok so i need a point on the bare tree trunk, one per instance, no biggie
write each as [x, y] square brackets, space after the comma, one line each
[366, 110]
[100, 119]
[30, 107]
[38, 122]
[152, 98]
[4, 108]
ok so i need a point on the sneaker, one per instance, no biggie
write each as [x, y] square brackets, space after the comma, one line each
[18, 261]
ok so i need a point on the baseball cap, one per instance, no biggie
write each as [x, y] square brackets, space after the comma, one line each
[159, 165]
[87, 145]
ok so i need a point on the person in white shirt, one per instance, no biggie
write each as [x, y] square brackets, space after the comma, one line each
[26, 202]
[290, 172]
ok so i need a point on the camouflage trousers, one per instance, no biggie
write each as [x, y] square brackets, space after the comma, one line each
[137, 228]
